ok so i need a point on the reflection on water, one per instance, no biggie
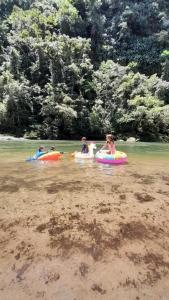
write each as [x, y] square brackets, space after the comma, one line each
[103, 168]
[83, 163]
[106, 169]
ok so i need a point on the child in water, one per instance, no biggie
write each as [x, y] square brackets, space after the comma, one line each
[84, 145]
[109, 145]
[52, 148]
[40, 152]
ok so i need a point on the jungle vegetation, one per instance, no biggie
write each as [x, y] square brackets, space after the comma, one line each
[71, 68]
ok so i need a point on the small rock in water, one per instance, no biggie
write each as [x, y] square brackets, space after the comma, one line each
[131, 140]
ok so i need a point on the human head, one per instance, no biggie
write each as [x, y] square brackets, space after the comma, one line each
[83, 139]
[52, 148]
[41, 148]
[109, 138]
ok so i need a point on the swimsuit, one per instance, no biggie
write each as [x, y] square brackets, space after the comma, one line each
[111, 148]
[38, 154]
[85, 148]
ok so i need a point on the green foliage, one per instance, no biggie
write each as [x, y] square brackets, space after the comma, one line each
[165, 65]
[165, 54]
[3, 117]
[84, 67]
[19, 105]
[128, 103]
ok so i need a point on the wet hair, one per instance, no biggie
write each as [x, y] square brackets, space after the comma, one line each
[41, 148]
[110, 137]
[52, 148]
[83, 139]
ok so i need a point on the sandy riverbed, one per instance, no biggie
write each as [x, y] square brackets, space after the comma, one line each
[71, 231]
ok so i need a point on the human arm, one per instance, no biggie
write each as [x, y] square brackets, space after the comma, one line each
[103, 147]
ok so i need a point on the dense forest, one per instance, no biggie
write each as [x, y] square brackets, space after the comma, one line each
[71, 68]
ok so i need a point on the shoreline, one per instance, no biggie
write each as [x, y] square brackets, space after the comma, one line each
[6, 138]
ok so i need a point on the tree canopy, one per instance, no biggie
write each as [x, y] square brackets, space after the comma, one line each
[84, 67]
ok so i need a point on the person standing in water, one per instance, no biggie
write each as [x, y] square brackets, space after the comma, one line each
[110, 144]
[85, 148]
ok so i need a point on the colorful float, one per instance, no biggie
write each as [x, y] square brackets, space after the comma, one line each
[49, 156]
[88, 155]
[113, 159]
[54, 155]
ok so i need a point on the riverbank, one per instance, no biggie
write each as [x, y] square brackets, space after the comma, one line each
[5, 138]
[130, 140]
[84, 231]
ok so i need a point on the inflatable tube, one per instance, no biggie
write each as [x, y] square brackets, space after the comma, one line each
[51, 156]
[88, 155]
[112, 159]
[83, 155]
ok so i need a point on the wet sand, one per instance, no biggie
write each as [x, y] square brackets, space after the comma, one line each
[73, 231]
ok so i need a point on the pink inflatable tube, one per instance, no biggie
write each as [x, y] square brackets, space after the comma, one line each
[117, 158]
[119, 161]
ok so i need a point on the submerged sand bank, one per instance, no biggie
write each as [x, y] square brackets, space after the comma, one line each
[71, 231]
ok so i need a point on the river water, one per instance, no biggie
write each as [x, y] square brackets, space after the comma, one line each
[17, 151]
[142, 156]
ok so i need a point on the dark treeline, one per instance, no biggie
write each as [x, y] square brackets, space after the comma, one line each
[84, 67]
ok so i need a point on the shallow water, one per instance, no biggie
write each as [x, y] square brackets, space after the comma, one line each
[146, 158]
[18, 151]
[76, 229]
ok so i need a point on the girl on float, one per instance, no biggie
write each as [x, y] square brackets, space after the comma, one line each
[110, 144]
[110, 155]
